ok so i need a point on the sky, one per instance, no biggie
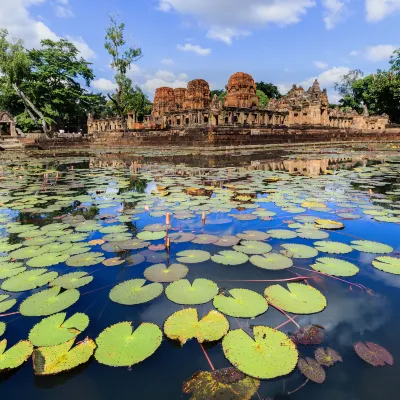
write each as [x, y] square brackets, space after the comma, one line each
[278, 41]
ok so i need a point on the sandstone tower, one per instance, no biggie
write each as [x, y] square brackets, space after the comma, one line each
[241, 91]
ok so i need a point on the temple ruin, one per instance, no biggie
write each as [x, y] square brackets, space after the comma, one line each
[7, 124]
[192, 107]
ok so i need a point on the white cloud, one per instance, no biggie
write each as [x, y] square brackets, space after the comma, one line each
[283, 88]
[195, 48]
[63, 9]
[354, 53]
[327, 79]
[104, 85]
[16, 18]
[377, 10]
[134, 71]
[86, 52]
[335, 11]
[228, 19]
[321, 64]
[164, 78]
[380, 53]
[167, 61]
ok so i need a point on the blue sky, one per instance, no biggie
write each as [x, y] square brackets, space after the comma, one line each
[279, 41]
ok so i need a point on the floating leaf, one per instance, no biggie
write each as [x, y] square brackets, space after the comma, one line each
[47, 260]
[298, 298]
[368, 246]
[227, 241]
[9, 269]
[311, 369]
[225, 383]
[384, 263]
[120, 346]
[85, 259]
[253, 235]
[327, 357]
[135, 292]
[2, 328]
[328, 224]
[310, 334]
[184, 325]
[160, 272]
[28, 280]
[15, 355]
[269, 355]
[49, 301]
[305, 233]
[229, 257]
[55, 330]
[294, 250]
[151, 235]
[241, 303]
[72, 280]
[205, 239]
[282, 234]
[271, 261]
[181, 237]
[332, 247]
[253, 247]
[193, 256]
[63, 357]
[111, 262]
[373, 354]
[199, 292]
[27, 252]
[6, 304]
[335, 267]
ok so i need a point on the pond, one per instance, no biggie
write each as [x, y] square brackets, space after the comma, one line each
[152, 273]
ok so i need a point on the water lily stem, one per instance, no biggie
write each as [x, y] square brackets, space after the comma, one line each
[286, 322]
[207, 358]
[304, 384]
[6, 315]
[286, 314]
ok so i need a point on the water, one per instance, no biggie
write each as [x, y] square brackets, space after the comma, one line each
[351, 314]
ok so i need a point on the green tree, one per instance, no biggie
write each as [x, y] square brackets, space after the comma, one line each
[263, 99]
[269, 89]
[122, 59]
[345, 89]
[220, 94]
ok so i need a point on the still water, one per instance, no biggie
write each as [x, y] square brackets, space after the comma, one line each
[216, 194]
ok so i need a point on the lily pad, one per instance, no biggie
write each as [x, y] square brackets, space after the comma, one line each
[327, 357]
[47, 260]
[85, 259]
[335, 267]
[298, 298]
[227, 241]
[311, 369]
[373, 354]
[270, 354]
[271, 261]
[28, 280]
[205, 239]
[181, 237]
[27, 252]
[2, 328]
[368, 246]
[282, 234]
[201, 291]
[121, 346]
[15, 355]
[63, 357]
[328, 224]
[184, 325]
[9, 269]
[253, 235]
[49, 301]
[193, 256]
[72, 280]
[146, 235]
[135, 291]
[306, 233]
[294, 250]
[55, 330]
[332, 247]
[229, 257]
[241, 303]
[253, 247]
[310, 334]
[6, 304]
[160, 272]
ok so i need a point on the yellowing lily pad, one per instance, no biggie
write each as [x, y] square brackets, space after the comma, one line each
[332, 247]
[253, 247]
[368, 246]
[387, 264]
[160, 272]
[15, 355]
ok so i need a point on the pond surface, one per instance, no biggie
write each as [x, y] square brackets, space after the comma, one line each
[111, 210]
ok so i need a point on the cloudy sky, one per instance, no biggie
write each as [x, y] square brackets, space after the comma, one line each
[279, 41]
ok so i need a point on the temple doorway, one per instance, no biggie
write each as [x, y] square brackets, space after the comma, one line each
[7, 124]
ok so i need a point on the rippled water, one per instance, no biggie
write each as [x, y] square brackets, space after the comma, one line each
[118, 184]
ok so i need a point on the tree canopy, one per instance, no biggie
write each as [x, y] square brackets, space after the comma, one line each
[269, 89]
[263, 99]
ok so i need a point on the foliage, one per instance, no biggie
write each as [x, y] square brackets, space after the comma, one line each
[15, 355]
[327, 357]
[263, 99]
[269, 89]
[311, 369]
[199, 292]
[220, 94]
[373, 354]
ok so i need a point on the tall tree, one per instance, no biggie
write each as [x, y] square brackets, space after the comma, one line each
[15, 65]
[263, 99]
[122, 59]
[220, 94]
[269, 89]
[345, 89]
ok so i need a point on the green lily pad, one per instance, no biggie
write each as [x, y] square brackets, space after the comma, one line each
[200, 292]
[28, 280]
[6, 247]
[120, 346]
[8, 269]
[49, 301]
[85, 259]
[63, 357]
[2, 328]
[55, 330]
[184, 325]
[6, 304]
[73, 237]
[160, 272]
[193, 256]
[229, 257]
[282, 234]
[294, 250]
[155, 228]
[205, 239]
[72, 280]
[47, 260]
[335, 267]
[135, 292]
[181, 237]
[306, 233]
[271, 261]
[298, 298]
[57, 247]
[252, 235]
[241, 303]
[27, 252]
[253, 247]
[227, 241]
[368, 246]
[145, 235]
[15, 355]
[387, 264]
[114, 229]
[333, 247]
[270, 354]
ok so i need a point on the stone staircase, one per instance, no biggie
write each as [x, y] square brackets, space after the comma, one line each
[10, 143]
